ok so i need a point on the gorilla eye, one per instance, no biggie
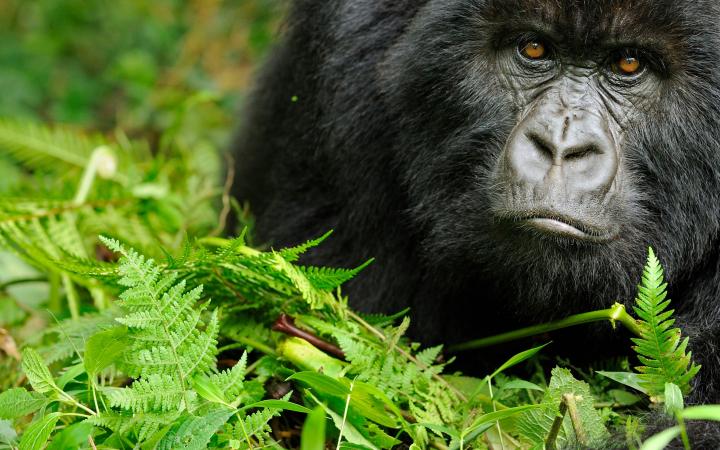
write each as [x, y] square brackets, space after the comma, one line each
[534, 50]
[627, 65]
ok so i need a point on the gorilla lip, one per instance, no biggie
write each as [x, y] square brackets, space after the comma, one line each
[552, 224]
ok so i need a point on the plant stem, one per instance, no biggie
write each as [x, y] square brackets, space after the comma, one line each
[580, 434]
[555, 429]
[615, 314]
[257, 345]
[102, 162]
[72, 296]
[17, 281]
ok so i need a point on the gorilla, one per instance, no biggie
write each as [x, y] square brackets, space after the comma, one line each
[506, 162]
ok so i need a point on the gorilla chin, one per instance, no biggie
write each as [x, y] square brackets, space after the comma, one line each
[504, 159]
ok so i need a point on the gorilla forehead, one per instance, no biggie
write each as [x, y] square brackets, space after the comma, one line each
[671, 26]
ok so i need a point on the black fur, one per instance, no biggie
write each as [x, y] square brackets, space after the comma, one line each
[400, 118]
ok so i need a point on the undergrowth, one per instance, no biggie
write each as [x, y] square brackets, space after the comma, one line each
[158, 332]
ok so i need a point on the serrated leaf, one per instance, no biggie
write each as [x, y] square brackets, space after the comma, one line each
[19, 402]
[660, 349]
[535, 425]
[194, 433]
[37, 372]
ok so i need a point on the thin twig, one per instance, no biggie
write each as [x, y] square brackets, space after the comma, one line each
[555, 429]
[229, 180]
[286, 324]
[580, 433]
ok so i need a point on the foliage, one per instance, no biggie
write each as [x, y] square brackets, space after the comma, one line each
[136, 361]
[660, 347]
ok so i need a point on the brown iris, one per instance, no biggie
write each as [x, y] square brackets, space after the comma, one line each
[628, 65]
[534, 50]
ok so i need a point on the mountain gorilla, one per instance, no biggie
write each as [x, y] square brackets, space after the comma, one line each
[506, 161]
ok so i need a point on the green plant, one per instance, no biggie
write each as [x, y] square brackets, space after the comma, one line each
[140, 357]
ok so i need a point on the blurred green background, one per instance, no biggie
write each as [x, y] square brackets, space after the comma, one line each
[141, 66]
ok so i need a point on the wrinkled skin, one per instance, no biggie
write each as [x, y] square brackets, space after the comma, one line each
[493, 189]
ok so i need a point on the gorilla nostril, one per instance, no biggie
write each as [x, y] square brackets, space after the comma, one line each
[542, 145]
[576, 153]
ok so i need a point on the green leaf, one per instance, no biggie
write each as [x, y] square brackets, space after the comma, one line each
[71, 373]
[208, 390]
[491, 418]
[194, 433]
[104, 348]
[534, 426]
[278, 404]
[37, 434]
[522, 384]
[8, 435]
[629, 379]
[704, 412]
[348, 430]
[366, 400]
[623, 398]
[660, 347]
[313, 431]
[517, 359]
[37, 372]
[673, 399]
[321, 383]
[455, 434]
[18, 402]
[74, 436]
[661, 440]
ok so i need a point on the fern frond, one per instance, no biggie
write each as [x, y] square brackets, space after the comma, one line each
[151, 393]
[38, 146]
[169, 343]
[660, 348]
[292, 254]
[142, 424]
[328, 279]
[230, 381]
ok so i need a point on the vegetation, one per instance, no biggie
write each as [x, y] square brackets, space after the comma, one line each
[129, 320]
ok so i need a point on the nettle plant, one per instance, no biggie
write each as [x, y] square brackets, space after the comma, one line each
[171, 336]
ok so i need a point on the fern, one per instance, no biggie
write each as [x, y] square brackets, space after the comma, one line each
[42, 147]
[328, 278]
[660, 349]
[168, 344]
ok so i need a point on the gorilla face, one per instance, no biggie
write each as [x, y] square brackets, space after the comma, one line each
[547, 143]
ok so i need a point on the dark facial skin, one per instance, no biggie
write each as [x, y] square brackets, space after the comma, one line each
[496, 185]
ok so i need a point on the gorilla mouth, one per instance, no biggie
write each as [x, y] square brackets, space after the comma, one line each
[563, 226]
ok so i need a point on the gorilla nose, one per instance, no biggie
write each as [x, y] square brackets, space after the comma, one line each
[575, 153]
